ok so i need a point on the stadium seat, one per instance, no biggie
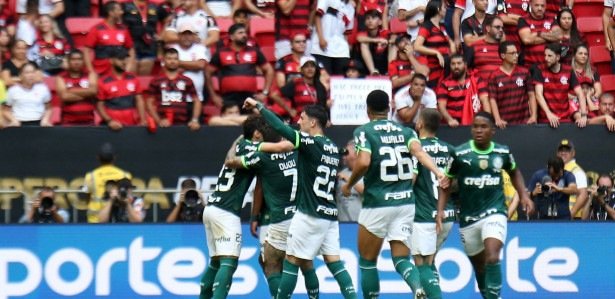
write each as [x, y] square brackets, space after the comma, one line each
[588, 8]
[608, 83]
[601, 59]
[78, 28]
[398, 26]
[269, 53]
[224, 23]
[591, 28]
[263, 31]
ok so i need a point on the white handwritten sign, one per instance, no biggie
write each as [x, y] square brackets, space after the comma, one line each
[349, 96]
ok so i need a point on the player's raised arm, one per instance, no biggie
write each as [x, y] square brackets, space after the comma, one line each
[276, 147]
[275, 122]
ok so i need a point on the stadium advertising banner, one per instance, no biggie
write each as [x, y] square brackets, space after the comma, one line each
[540, 260]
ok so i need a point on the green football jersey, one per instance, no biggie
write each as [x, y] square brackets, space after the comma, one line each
[479, 176]
[279, 178]
[317, 166]
[233, 184]
[388, 177]
[426, 183]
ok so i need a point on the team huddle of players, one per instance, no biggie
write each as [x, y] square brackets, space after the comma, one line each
[406, 178]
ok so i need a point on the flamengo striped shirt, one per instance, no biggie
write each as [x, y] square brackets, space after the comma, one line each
[436, 39]
[510, 93]
[484, 58]
[555, 90]
[454, 93]
[535, 53]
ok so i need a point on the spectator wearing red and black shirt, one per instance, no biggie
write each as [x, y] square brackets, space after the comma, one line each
[483, 56]
[291, 17]
[240, 16]
[261, 8]
[142, 17]
[167, 98]
[401, 69]
[236, 66]
[552, 81]
[473, 27]
[50, 46]
[374, 44]
[510, 11]
[7, 17]
[570, 38]
[287, 67]
[119, 95]
[302, 91]
[107, 36]
[535, 30]
[511, 93]
[77, 88]
[433, 41]
[588, 78]
[453, 90]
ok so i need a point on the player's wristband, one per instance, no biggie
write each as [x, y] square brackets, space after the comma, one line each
[260, 106]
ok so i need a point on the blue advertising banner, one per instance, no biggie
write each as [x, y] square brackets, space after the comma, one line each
[539, 260]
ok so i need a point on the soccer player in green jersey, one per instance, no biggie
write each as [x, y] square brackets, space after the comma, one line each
[385, 149]
[425, 241]
[478, 166]
[221, 217]
[278, 177]
[314, 229]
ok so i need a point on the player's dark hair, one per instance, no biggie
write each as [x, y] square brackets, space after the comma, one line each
[269, 134]
[377, 101]
[170, 51]
[432, 9]
[504, 46]
[252, 123]
[235, 27]
[188, 184]
[487, 116]
[108, 7]
[431, 119]
[555, 163]
[317, 112]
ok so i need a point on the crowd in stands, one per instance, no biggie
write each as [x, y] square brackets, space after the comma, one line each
[84, 63]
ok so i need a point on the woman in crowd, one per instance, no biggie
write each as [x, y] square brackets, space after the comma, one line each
[28, 102]
[50, 46]
[571, 37]
[10, 68]
[433, 41]
[5, 41]
[589, 79]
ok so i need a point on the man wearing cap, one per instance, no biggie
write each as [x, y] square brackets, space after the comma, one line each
[119, 95]
[121, 205]
[302, 91]
[95, 180]
[193, 57]
[205, 26]
[287, 67]
[565, 150]
[411, 100]
[236, 65]
[169, 93]
[551, 189]
[106, 37]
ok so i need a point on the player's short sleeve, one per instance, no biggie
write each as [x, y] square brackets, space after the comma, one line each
[360, 140]
[412, 137]
[304, 140]
[252, 160]
[509, 163]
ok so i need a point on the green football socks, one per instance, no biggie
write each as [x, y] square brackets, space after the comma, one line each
[288, 280]
[311, 283]
[343, 279]
[273, 281]
[408, 272]
[493, 281]
[224, 277]
[430, 282]
[370, 282]
[207, 280]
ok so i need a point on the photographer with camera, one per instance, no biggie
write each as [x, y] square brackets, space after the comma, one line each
[190, 206]
[602, 204]
[551, 189]
[44, 210]
[121, 205]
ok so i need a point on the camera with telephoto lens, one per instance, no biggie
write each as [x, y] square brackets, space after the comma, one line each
[191, 205]
[545, 188]
[603, 190]
[44, 210]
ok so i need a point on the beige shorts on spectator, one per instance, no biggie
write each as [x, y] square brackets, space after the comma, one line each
[309, 236]
[223, 231]
[474, 235]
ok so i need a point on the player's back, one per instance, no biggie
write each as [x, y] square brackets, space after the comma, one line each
[279, 176]
[233, 183]
[387, 180]
[426, 184]
[318, 163]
